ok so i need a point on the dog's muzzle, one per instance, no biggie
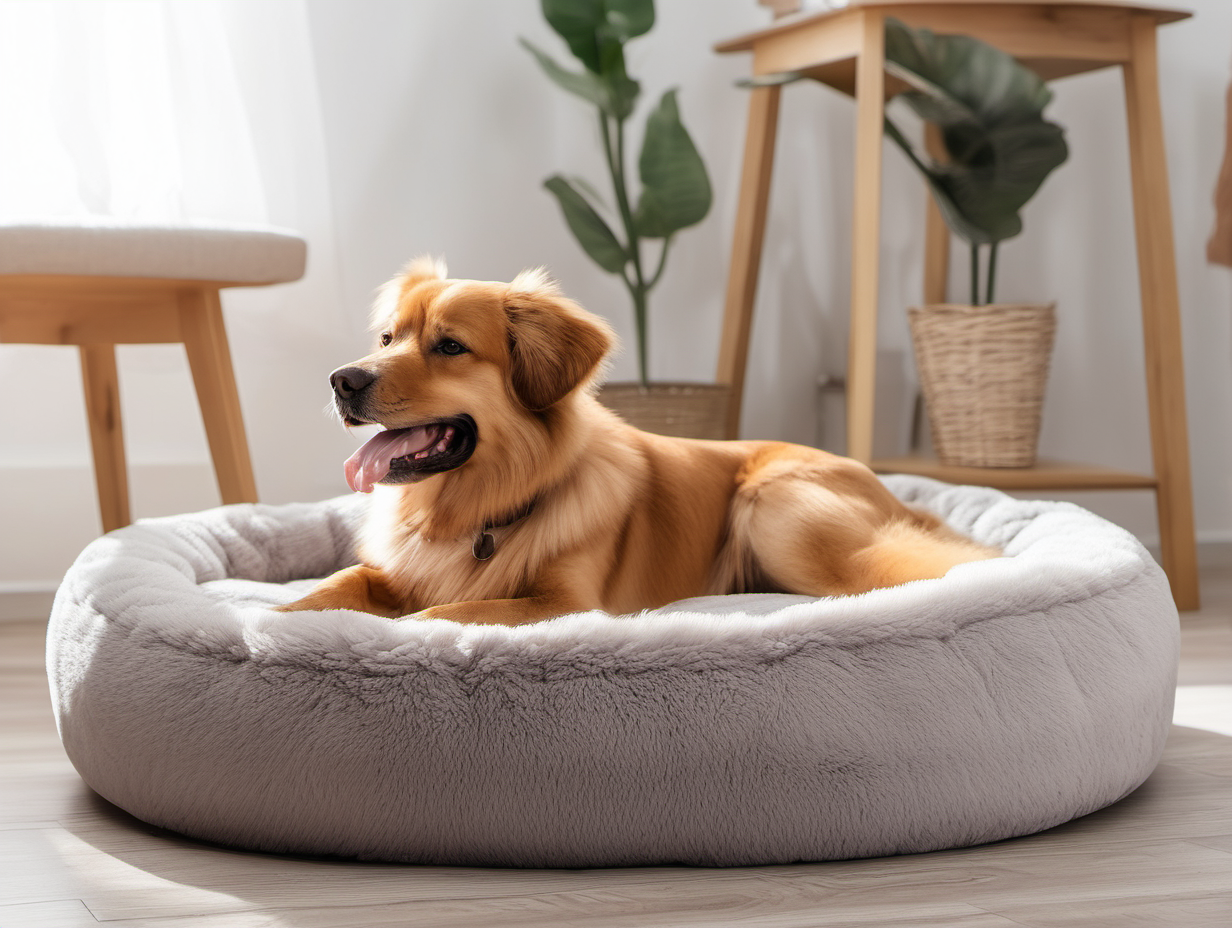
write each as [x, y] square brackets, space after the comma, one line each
[348, 381]
[350, 386]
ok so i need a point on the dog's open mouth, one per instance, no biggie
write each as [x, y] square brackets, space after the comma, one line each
[406, 455]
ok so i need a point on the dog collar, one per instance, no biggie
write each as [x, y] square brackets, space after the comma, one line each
[485, 542]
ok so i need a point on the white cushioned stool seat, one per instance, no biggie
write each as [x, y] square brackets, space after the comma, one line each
[1007, 697]
[110, 248]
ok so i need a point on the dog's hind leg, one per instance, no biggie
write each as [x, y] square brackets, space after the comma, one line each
[838, 530]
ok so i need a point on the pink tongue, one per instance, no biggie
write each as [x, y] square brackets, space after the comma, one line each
[370, 464]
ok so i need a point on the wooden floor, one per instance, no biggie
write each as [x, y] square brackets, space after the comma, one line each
[1163, 856]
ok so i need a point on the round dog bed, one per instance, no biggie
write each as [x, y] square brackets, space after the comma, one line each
[1005, 698]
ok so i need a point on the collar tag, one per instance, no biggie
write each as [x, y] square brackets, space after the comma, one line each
[485, 542]
[484, 546]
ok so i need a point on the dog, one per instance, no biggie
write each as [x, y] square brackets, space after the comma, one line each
[505, 493]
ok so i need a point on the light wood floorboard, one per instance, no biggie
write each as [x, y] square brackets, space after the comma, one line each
[1161, 857]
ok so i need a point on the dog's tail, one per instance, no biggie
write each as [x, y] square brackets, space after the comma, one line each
[920, 547]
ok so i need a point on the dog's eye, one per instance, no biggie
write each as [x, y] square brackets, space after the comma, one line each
[386, 338]
[449, 346]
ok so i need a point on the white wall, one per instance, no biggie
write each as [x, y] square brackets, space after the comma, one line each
[428, 129]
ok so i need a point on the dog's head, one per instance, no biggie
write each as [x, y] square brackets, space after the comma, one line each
[458, 361]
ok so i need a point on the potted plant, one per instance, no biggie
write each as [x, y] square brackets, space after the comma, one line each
[983, 366]
[674, 194]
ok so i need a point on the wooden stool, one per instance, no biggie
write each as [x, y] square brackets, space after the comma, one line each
[96, 285]
[1056, 38]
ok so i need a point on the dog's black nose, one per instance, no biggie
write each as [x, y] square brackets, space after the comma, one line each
[347, 381]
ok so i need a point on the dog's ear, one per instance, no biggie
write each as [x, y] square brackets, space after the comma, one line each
[416, 271]
[554, 344]
[422, 268]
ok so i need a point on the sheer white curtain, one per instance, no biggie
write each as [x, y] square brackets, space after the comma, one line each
[168, 110]
[128, 108]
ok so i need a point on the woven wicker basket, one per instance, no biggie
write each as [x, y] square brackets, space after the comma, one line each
[686, 410]
[983, 370]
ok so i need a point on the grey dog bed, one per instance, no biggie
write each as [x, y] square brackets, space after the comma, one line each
[1008, 697]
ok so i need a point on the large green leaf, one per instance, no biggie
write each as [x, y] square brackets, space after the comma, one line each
[776, 79]
[999, 148]
[615, 93]
[622, 90]
[675, 187]
[586, 85]
[594, 28]
[954, 217]
[1011, 163]
[980, 198]
[587, 226]
[956, 76]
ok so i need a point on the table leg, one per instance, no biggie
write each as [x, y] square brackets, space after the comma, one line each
[746, 247]
[1161, 320]
[866, 237]
[936, 232]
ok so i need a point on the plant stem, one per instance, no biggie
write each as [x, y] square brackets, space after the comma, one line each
[662, 263]
[615, 170]
[639, 315]
[975, 274]
[614, 149]
[992, 271]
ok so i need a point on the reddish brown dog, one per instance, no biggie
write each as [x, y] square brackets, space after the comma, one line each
[505, 493]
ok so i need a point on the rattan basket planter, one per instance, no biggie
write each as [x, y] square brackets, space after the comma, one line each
[983, 371]
[686, 410]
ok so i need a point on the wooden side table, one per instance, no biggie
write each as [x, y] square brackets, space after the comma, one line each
[846, 50]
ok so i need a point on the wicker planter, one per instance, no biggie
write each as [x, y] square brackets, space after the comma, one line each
[983, 370]
[686, 410]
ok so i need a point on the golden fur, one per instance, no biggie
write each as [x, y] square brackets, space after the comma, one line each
[620, 519]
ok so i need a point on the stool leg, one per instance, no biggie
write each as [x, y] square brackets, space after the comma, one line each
[1161, 317]
[205, 341]
[102, 389]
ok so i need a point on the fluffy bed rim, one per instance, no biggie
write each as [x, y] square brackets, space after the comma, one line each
[1008, 697]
